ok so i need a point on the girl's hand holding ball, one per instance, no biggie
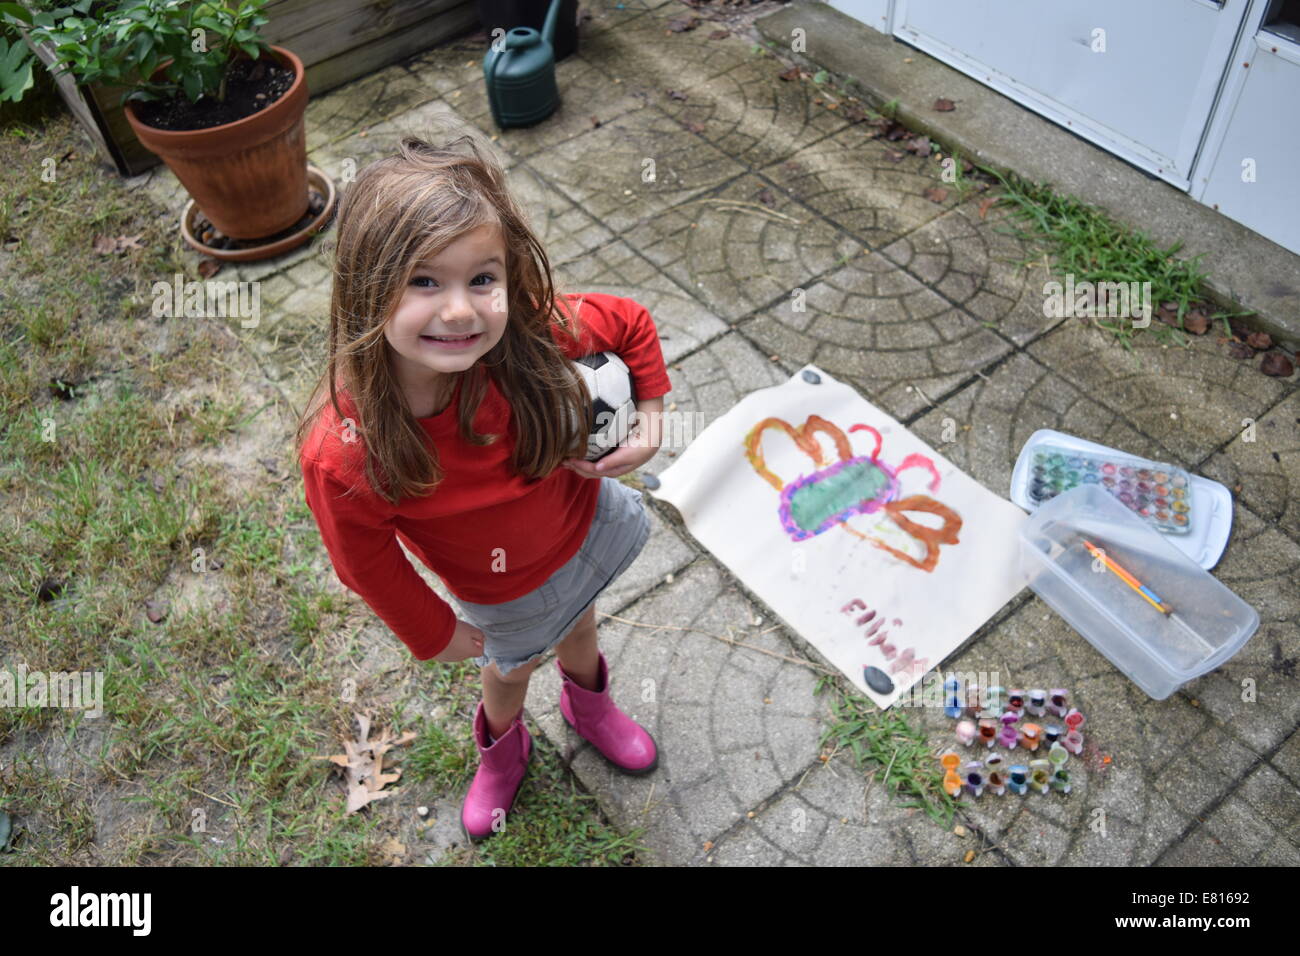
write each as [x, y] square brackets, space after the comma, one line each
[642, 444]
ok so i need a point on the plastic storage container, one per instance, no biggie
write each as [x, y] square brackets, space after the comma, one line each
[1159, 652]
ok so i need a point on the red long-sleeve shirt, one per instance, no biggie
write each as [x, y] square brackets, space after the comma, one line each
[482, 511]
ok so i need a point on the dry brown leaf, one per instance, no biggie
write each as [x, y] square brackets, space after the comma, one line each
[359, 795]
[363, 764]
[209, 267]
[790, 74]
[986, 205]
[1196, 322]
[936, 194]
[112, 245]
[944, 105]
[1276, 364]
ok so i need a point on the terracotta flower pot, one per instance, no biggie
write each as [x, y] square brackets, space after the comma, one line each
[249, 177]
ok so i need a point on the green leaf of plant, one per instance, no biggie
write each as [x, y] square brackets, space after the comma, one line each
[17, 11]
[143, 44]
[15, 71]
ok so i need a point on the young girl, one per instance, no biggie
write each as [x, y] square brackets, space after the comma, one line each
[447, 409]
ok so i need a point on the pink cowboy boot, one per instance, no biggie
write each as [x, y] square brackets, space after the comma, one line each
[596, 718]
[500, 771]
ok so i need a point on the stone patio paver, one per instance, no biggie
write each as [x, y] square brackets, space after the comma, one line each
[1265, 464]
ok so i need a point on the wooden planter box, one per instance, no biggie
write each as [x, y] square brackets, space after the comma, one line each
[337, 40]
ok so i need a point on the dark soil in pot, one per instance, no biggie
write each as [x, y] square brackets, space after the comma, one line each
[251, 86]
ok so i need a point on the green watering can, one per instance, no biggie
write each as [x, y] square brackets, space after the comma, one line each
[521, 74]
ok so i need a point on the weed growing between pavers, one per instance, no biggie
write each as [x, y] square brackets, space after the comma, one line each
[1083, 241]
[893, 750]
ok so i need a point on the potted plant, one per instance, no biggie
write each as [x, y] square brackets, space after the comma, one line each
[221, 107]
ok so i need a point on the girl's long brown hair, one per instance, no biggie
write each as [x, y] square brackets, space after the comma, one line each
[401, 210]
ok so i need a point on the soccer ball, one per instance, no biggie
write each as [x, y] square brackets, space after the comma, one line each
[613, 402]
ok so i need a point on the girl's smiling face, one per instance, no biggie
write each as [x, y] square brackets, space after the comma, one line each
[460, 292]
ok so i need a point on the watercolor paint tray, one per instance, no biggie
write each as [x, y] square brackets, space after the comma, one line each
[1199, 624]
[1204, 542]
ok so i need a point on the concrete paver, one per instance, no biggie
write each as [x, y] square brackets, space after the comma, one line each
[849, 179]
[1193, 400]
[1265, 464]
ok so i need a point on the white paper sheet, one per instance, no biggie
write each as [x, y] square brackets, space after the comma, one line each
[805, 537]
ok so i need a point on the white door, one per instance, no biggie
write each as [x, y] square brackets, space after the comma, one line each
[1137, 77]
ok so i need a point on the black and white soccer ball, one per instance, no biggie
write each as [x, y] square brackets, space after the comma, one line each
[613, 402]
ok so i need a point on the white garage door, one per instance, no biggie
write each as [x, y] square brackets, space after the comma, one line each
[1137, 77]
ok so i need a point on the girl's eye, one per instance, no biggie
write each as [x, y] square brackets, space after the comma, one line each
[482, 275]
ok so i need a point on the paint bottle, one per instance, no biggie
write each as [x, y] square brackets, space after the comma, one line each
[1031, 735]
[966, 732]
[996, 774]
[988, 731]
[952, 705]
[1018, 779]
[951, 782]
[1058, 701]
[1037, 702]
[1040, 775]
[1007, 737]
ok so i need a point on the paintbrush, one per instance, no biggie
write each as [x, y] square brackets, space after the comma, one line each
[1150, 596]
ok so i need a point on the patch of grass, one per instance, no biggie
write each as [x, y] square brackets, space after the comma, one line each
[308, 615]
[961, 183]
[250, 540]
[213, 420]
[96, 516]
[51, 812]
[445, 760]
[1085, 242]
[553, 823]
[885, 741]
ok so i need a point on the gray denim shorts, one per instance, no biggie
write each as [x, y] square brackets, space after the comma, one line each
[515, 632]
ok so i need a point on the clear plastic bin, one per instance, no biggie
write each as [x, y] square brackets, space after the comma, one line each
[1159, 652]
